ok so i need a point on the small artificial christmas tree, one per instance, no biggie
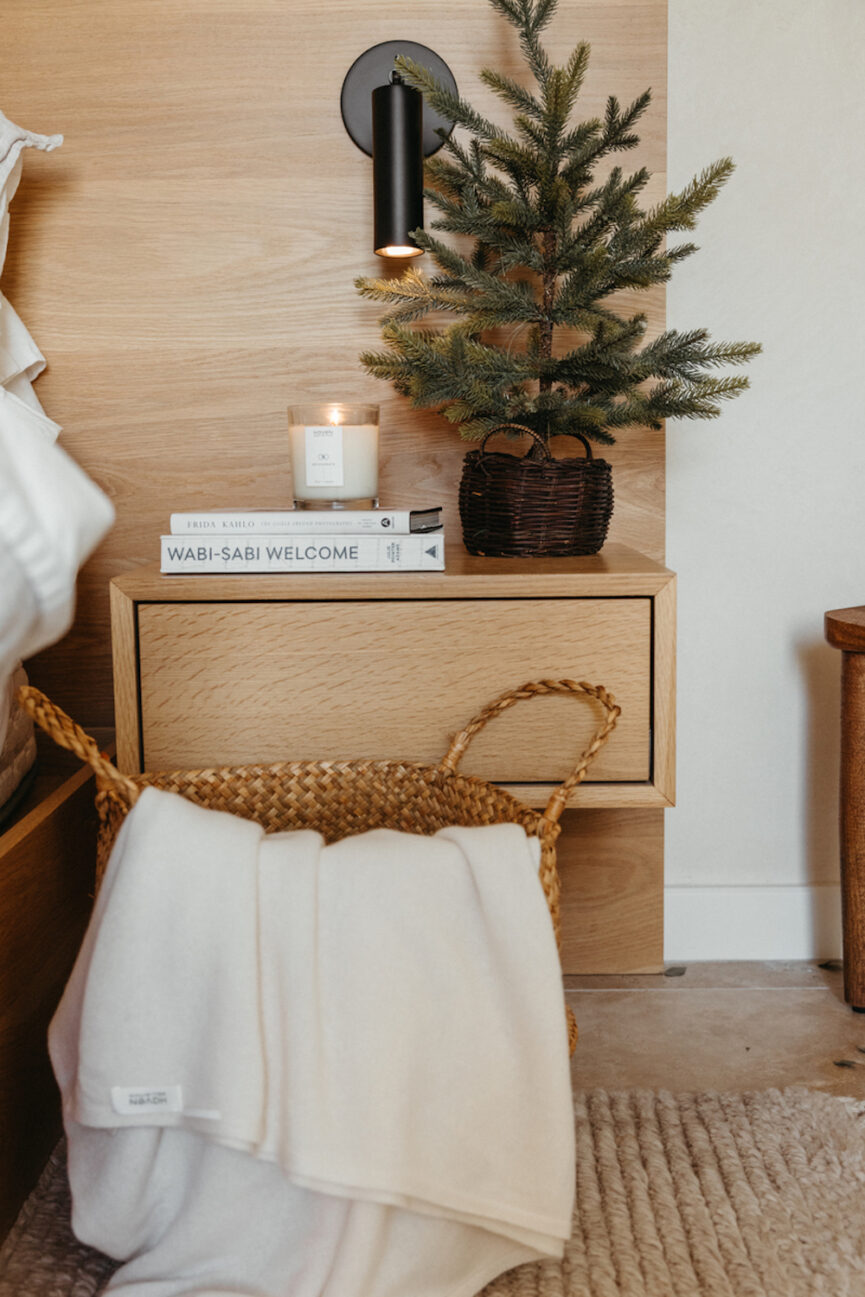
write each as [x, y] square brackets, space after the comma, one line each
[551, 245]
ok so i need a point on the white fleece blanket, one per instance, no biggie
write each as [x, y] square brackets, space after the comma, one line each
[52, 515]
[298, 1070]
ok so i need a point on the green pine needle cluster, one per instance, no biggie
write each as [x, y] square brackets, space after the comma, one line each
[550, 245]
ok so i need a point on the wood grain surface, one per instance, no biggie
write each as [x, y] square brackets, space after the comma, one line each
[664, 692]
[618, 571]
[238, 683]
[177, 624]
[852, 825]
[186, 260]
[845, 629]
[47, 860]
[612, 868]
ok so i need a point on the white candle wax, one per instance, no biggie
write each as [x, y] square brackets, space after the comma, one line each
[334, 461]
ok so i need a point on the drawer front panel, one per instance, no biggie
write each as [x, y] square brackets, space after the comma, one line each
[230, 683]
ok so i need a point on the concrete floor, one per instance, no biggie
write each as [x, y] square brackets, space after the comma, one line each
[718, 1026]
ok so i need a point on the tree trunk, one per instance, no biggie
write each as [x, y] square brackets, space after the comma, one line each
[545, 331]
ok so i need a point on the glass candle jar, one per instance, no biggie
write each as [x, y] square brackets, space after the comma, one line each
[334, 455]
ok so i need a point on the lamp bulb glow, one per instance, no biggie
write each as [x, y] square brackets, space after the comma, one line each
[397, 250]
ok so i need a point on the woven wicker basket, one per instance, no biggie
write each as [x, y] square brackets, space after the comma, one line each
[340, 798]
[513, 505]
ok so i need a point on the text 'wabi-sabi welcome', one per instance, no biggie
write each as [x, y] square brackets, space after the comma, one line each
[253, 553]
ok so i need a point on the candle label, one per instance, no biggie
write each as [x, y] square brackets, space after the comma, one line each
[324, 460]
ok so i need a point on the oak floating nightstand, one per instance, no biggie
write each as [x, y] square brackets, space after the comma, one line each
[227, 670]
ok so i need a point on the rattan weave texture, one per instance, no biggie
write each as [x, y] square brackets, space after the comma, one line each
[341, 798]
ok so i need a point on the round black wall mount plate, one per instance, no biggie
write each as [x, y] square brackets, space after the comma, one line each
[373, 68]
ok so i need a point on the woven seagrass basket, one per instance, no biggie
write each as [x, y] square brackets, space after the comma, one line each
[340, 798]
[513, 505]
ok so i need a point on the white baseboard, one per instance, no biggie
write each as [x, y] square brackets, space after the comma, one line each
[797, 922]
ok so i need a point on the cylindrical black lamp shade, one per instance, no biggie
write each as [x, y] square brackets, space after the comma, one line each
[397, 165]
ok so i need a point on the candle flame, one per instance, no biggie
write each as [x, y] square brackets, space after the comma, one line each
[335, 418]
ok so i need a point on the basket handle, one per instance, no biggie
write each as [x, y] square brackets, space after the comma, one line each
[532, 689]
[64, 731]
[538, 439]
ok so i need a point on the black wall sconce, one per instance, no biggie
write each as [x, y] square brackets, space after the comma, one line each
[387, 120]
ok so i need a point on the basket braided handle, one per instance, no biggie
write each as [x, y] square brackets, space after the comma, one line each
[536, 437]
[532, 689]
[517, 427]
[64, 731]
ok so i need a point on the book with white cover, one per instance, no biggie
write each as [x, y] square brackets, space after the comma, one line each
[304, 521]
[270, 553]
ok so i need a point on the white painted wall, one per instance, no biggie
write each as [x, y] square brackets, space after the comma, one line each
[766, 505]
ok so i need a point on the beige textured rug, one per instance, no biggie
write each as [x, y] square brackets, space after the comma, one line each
[708, 1195]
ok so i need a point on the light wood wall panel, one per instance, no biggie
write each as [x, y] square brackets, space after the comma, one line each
[186, 260]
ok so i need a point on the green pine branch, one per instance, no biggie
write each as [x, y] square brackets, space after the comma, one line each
[543, 245]
[445, 102]
[513, 94]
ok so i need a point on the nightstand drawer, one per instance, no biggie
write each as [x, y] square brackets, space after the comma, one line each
[238, 682]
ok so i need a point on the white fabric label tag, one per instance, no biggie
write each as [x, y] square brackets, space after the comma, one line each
[324, 466]
[132, 1100]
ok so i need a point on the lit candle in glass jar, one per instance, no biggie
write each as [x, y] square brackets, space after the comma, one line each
[334, 455]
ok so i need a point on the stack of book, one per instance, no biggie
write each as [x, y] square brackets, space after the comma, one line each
[295, 540]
